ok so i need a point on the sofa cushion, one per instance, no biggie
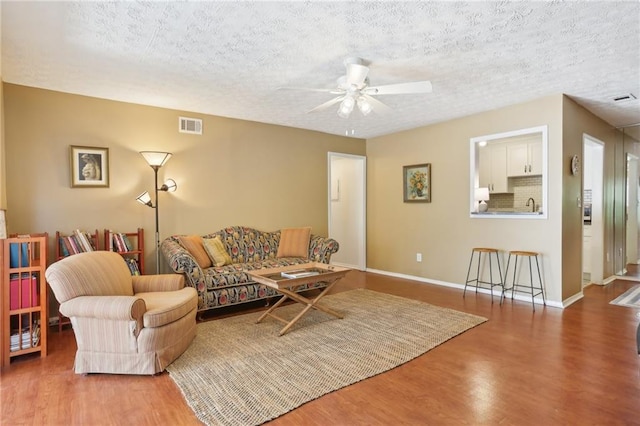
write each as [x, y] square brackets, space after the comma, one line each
[247, 244]
[294, 242]
[216, 251]
[193, 244]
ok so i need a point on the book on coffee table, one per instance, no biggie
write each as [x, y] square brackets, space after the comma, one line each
[299, 273]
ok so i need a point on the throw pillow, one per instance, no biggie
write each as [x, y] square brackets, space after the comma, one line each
[216, 251]
[294, 242]
[193, 244]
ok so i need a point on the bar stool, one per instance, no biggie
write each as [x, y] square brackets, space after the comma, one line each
[477, 282]
[521, 287]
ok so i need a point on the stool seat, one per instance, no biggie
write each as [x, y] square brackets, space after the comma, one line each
[519, 286]
[484, 250]
[523, 253]
[476, 281]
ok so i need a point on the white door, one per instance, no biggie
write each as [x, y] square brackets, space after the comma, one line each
[347, 208]
[632, 209]
[593, 173]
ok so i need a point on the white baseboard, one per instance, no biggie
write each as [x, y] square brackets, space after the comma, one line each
[347, 265]
[537, 300]
[622, 277]
[609, 279]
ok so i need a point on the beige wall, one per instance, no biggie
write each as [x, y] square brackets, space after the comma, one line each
[3, 188]
[237, 173]
[442, 230]
[266, 176]
[577, 122]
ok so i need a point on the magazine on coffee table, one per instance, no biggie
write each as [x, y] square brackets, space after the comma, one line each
[299, 273]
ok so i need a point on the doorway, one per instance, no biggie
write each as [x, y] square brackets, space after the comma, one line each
[347, 208]
[592, 208]
[631, 236]
[627, 241]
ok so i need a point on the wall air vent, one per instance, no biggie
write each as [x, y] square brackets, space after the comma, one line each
[624, 98]
[190, 125]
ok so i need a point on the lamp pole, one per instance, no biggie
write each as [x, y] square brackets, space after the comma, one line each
[156, 159]
[155, 172]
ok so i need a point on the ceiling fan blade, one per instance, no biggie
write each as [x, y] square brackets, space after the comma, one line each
[377, 106]
[400, 88]
[307, 89]
[356, 74]
[327, 104]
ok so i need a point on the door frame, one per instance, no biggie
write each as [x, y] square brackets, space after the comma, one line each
[360, 221]
[597, 205]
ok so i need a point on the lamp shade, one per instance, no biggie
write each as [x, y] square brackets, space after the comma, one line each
[346, 106]
[145, 199]
[364, 106]
[481, 194]
[169, 185]
[156, 158]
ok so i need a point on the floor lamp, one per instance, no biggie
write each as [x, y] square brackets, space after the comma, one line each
[156, 160]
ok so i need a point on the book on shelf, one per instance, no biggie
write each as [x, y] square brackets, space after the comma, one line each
[85, 240]
[120, 242]
[28, 338]
[299, 273]
[77, 242]
[126, 242]
[64, 249]
[23, 291]
[133, 266]
[18, 255]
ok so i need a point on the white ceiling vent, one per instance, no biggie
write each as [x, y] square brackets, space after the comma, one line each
[190, 125]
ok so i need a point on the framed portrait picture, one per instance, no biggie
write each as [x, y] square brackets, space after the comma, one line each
[89, 167]
[417, 183]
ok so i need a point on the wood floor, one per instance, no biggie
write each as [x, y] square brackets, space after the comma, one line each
[563, 367]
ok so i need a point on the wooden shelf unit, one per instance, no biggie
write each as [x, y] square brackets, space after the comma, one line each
[24, 307]
[60, 238]
[137, 241]
[62, 320]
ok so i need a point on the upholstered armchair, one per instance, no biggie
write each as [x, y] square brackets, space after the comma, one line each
[123, 324]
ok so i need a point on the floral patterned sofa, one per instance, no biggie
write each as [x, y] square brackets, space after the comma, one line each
[249, 249]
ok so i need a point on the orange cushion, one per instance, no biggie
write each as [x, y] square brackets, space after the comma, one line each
[294, 242]
[193, 244]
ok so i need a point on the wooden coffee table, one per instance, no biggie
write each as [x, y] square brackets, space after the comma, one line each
[308, 273]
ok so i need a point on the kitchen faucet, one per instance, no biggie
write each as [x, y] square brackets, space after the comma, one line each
[533, 204]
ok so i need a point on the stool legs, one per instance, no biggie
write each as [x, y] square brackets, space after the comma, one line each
[476, 282]
[530, 289]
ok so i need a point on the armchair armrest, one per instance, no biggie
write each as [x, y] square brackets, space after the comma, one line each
[127, 308]
[162, 282]
[321, 249]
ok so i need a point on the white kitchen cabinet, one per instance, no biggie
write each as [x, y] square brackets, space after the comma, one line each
[524, 159]
[493, 168]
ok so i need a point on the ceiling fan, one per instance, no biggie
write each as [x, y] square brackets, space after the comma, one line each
[353, 89]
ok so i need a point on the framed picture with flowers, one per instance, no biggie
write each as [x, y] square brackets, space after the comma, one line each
[417, 183]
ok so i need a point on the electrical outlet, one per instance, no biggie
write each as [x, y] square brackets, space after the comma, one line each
[418, 257]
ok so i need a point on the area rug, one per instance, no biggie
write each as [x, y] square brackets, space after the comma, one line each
[237, 372]
[630, 298]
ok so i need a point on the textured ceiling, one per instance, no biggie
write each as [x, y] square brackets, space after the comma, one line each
[230, 58]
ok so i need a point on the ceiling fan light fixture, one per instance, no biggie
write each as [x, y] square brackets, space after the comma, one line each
[364, 106]
[353, 88]
[346, 106]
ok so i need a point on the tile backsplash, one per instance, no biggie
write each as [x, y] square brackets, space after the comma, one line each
[524, 187]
